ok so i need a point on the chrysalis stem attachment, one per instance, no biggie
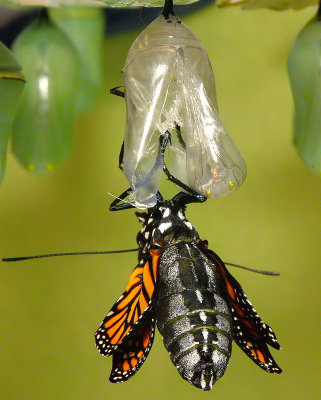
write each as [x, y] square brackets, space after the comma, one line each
[78, 253]
[168, 8]
[43, 13]
[319, 11]
[259, 271]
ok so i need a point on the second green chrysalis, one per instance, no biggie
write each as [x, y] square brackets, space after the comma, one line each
[305, 76]
[11, 85]
[84, 26]
[43, 126]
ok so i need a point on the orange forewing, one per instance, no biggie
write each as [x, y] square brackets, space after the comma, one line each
[130, 307]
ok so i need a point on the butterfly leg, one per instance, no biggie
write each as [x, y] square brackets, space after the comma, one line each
[193, 195]
[116, 205]
[121, 158]
[117, 92]
[180, 137]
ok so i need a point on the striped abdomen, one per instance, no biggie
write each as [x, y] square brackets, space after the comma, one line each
[192, 316]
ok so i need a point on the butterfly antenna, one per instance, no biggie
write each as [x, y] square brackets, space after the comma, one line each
[259, 271]
[78, 253]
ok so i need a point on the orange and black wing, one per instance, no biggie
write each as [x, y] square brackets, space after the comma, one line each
[131, 317]
[249, 331]
[133, 350]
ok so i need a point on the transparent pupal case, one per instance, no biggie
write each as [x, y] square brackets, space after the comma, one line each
[169, 86]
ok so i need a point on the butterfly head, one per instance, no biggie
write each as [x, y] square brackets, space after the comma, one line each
[165, 224]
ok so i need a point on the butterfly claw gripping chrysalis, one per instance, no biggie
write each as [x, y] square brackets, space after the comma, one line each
[169, 87]
[185, 289]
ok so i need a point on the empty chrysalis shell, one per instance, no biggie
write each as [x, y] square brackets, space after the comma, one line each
[43, 126]
[84, 26]
[11, 85]
[169, 85]
[304, 71]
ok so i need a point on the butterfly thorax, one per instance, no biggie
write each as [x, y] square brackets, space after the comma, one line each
[165, 225]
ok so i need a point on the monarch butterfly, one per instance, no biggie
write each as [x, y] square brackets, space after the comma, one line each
[184, 288]
[43, 125]
[169, 86]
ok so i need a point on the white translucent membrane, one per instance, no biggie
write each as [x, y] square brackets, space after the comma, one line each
[169, 81]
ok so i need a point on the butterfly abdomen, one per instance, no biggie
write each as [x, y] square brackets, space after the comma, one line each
[192, 316]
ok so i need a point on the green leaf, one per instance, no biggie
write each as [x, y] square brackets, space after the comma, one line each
[109, 3]
[144, 3]
[274, 4]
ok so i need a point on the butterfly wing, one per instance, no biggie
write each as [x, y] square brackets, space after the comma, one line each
[250, 333]
[133, 350]
[127, 331]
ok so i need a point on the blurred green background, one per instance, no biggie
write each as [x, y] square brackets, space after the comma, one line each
[51, 308]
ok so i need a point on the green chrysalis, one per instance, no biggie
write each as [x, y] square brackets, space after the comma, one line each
[305, 76]
[43, 126]
[85, 28]
[11, 85]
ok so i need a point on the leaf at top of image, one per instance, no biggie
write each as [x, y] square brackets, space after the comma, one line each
[273, 4]
[143, 3]
[103, 3]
